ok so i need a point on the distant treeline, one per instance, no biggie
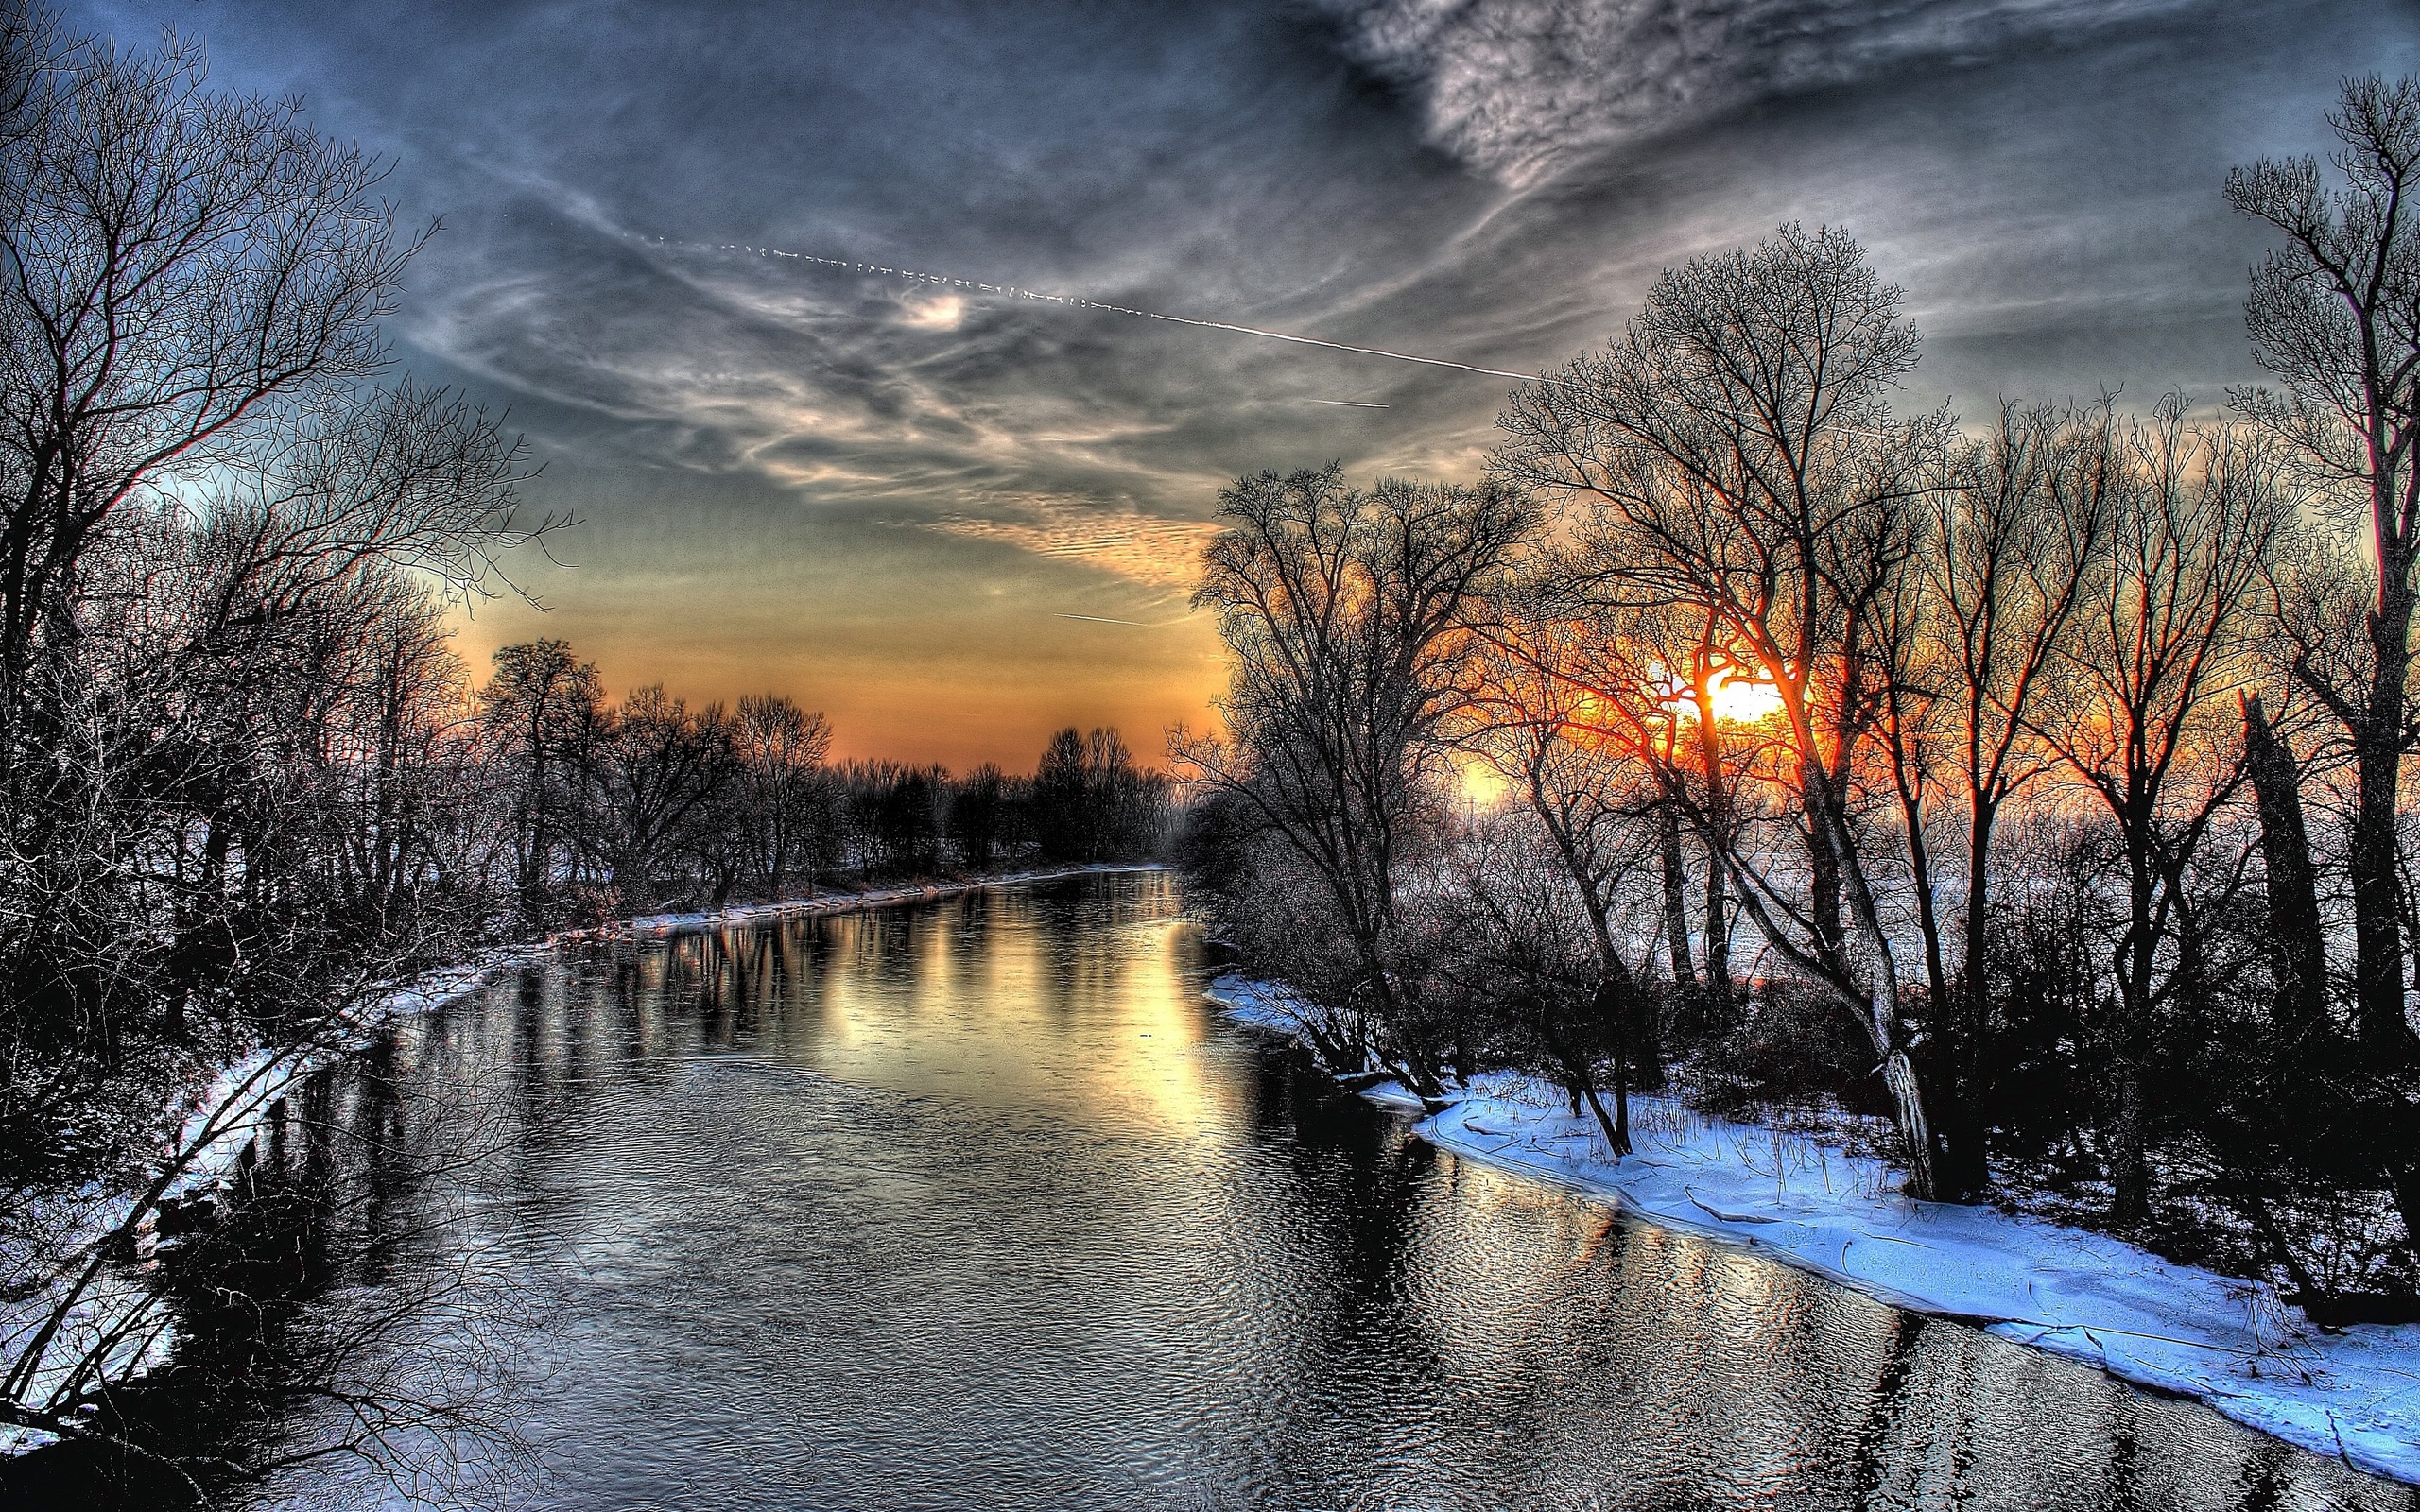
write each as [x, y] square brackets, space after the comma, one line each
[598, 808]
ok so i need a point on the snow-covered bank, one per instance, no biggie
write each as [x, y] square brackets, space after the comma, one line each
[2224, 1341]
[651, 925]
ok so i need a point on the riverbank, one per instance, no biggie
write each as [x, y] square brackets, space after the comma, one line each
[657, 925]
[2221, 1340]
[237, 1108]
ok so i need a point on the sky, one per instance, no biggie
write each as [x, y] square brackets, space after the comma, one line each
[956, 520]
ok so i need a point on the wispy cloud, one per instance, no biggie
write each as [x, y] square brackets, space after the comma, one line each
[861, 464]
[1116, 538]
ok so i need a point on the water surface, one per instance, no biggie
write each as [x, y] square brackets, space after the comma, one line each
[975, 1204]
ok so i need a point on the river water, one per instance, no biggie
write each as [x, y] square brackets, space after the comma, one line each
[975, 1204]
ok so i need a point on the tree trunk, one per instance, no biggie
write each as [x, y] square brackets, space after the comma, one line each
[2377, 939]
[1608, 1009]
[2128, 1163]
[1966, 1136]
[2404, 1179]
[1881, 981]
[1898, 1071]
[1676, 881]
[2296, 941]
[1824, 895]
[1717, 983]
[1948, 1094]
[1915, 1130]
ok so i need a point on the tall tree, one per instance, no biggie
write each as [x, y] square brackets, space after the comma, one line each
[541, 711]
[1346, 617]
[2166, 639]
[781, 748]
[659, 766]
[1738, 441]
[978, 815]
[2334, 315]
[1584, 790]
[2021, 535]
[175, 263]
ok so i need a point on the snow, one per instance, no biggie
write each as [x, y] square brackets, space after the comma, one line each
[216, 1122]
[2224, 1341]
[653, 925]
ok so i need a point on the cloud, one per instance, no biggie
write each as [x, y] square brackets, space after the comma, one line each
[1519, 88]
[1116, 538]
[941, 312]
[838, 386]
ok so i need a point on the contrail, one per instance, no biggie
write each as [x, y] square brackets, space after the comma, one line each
[1077, 301]
[1103, 619]
[1350, 403]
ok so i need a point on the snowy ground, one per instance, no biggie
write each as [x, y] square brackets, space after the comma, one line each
[837, 902]
[2224, 1341]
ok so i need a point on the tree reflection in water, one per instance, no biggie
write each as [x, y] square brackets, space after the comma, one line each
[973, 1204]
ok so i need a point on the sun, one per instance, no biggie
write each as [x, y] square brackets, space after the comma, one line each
[1741, 701]
[1738, 699]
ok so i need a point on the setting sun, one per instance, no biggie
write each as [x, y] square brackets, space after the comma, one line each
[1738, 699]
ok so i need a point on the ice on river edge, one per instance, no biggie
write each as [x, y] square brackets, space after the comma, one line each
[2226, 1342]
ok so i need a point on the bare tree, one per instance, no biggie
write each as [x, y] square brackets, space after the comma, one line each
[2165, 637]
[1521, 945]
[2021, 536]
[980, 815]
[541, 711]
[1739, 442]
[780, 749]
[1587, 794]
[1088, 801]
[1345, 613]
[178, 265]
[2334, 315]
[659, 766]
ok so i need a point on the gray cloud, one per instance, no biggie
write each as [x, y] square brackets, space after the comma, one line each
[1518, 87]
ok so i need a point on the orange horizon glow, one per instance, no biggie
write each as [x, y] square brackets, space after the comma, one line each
[997, 696]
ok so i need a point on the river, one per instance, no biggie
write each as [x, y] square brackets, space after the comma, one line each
[976, 1204]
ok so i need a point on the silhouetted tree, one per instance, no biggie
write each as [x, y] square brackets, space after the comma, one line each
[2334, 315]
[1739, 445]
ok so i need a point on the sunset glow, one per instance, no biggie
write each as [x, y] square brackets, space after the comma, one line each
[1738, 699]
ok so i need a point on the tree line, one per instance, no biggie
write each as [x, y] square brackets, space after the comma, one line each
[604, 808]
[2032, 782]
[247, 785]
